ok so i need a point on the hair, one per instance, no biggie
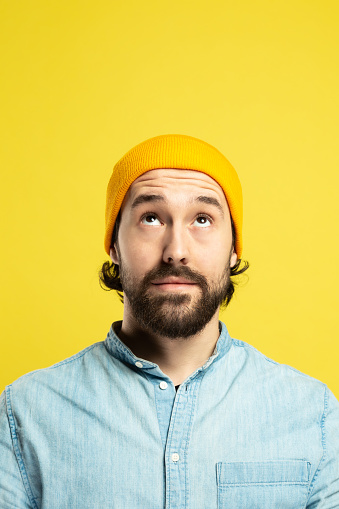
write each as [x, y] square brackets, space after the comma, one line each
[109, 278]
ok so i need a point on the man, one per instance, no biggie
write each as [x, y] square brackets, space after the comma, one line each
[170, 411]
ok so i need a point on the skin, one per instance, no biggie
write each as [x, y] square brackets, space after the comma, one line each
[171, 234]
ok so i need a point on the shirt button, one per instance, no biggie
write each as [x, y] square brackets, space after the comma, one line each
[163, 385]
[138, 364]
[175, 457]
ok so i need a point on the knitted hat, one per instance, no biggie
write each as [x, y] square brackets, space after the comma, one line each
[178, 152]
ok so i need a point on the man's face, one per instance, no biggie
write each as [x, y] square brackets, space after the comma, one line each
[174, 251]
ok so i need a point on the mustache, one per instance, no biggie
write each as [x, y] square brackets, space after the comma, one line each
[168, 271]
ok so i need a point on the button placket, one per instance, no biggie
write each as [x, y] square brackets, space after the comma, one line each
[177, 443]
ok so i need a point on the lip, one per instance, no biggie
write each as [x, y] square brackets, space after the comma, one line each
[172, 281]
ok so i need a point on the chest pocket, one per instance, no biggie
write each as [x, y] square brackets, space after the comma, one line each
[263, 484]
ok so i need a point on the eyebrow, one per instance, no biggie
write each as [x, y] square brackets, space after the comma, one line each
[147, 198]
[210, 201]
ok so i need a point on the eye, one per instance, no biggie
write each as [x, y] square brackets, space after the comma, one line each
[204, 220]
[150, 219]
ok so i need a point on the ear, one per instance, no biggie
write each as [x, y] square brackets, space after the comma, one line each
[234, 258]
[114, 255]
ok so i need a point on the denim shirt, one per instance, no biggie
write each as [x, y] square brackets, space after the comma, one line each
[106, 429]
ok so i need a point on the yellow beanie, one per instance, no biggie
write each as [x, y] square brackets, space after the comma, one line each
[178, 152]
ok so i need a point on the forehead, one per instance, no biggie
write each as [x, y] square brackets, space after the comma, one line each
[180, 181]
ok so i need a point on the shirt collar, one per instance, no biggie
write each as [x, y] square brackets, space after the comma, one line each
[120, 351]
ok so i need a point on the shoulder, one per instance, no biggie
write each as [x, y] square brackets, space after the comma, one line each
[278, 374]
[286, 387]
[68, 368]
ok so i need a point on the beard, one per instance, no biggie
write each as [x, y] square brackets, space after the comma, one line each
[173, 315]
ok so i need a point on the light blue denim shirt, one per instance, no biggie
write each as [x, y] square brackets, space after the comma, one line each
[106, 429]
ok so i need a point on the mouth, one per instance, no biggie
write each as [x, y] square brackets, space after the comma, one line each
[173, 284]
[172, 281]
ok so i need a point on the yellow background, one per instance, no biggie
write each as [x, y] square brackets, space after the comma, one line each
[82, 82]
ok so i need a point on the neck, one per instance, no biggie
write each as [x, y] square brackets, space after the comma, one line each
[177, 358]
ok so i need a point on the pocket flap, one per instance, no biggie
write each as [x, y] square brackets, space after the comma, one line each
[271, 471]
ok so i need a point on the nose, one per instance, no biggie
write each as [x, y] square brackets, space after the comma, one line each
[175, 249]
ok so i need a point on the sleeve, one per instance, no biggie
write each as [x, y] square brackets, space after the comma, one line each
[324, 492]
[12, 491]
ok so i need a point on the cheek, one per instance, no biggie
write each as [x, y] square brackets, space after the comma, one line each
[218, 253]
[137, 256]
